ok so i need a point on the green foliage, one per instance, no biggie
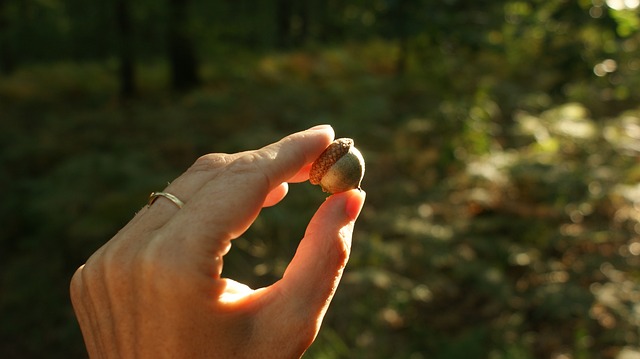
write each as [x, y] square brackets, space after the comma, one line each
[501, 141]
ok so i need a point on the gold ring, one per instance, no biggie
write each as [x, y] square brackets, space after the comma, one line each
[154, 196]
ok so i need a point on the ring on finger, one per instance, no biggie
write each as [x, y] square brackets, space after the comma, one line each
[155, 195]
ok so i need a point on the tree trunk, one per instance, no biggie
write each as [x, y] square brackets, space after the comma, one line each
[182, 59]
[292, 23]
[302, 32]
[283, 23]
[7, 58]
[125, 49]
[401, 15]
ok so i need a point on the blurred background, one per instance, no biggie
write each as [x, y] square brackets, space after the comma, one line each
[501, 139]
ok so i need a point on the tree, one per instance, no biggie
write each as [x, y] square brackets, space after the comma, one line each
[181, 51]
[125, 49]
[292, 23]
[7, 57]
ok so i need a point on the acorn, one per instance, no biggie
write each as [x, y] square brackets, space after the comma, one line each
[339, 168]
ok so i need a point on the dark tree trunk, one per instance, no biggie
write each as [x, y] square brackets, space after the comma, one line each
[302, 31]
[7, 57]
[292, 23]
[126, 49]
[182, 58]
[283, 23]
[401, 13]
[331, 29]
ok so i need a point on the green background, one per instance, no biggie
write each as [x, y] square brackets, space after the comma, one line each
[501, 140]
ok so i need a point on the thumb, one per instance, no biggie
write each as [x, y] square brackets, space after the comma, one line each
[313, 275]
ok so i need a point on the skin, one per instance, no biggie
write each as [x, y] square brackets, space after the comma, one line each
[155, 289]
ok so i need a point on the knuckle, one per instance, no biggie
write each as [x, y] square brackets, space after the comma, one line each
[88, 279]
[108, 270]
[250, 168]
[211, 161]
[76, 286]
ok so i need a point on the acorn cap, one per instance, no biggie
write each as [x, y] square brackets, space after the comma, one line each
[339, 168]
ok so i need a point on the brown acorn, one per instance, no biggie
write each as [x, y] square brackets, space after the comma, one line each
[339, 168]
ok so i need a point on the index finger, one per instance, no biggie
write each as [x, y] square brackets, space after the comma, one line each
[224, 207]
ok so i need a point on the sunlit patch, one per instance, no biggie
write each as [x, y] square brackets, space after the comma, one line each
[572, 121]
[623, 4]
[605, 67]
[492, 167]
[422, 293]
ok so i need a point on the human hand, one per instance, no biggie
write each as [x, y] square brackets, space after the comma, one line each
[155, 289]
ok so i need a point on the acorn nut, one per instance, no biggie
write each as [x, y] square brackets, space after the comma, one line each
[339, 168]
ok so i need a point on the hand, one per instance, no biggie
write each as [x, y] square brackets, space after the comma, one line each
[155, 291]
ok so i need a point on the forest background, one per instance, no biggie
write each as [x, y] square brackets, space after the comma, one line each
[501, 139]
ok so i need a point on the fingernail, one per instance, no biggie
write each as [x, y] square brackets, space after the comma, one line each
[319, 128]
[355, 203]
